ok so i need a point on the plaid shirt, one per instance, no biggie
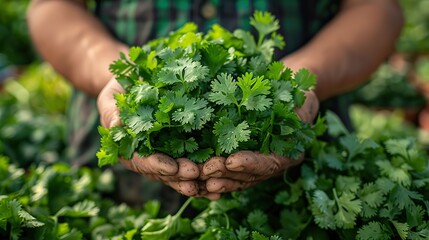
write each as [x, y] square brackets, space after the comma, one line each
[135, 22]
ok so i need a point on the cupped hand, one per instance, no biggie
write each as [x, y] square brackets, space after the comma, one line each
[180, 174]
[246, 168]
[241, 170]
[106, 103]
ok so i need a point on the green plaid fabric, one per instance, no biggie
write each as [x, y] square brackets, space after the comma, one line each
[135, 22]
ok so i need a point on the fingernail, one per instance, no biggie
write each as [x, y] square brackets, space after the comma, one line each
[231, 166]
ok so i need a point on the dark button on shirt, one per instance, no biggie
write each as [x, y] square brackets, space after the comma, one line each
[208, 10]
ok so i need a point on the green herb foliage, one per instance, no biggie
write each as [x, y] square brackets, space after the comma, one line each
[348, 188]
[196, 95]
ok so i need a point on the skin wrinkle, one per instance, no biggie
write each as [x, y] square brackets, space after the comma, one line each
[252, 178]
[189, 190]
[228, 185]
[129, 164]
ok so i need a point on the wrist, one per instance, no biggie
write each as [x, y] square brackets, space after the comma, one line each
[98, 61]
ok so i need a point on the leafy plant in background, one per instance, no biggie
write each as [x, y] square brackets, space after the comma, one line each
[389, 88]
[59, 202]
[32, 116]
[349, 188]
[15, 43]
[390, 85]
[422, 69]
[375, 189]
[41, 89]
[414, 38]
[382, 125]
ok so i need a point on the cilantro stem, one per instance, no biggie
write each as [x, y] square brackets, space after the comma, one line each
[227, 220]
[336, 196]
[269, 132]
[239, 110]
[183, 207]
[261, 38]
[236, 103]
[271, 123]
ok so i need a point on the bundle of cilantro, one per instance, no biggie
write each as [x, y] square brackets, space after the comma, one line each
[194, 95]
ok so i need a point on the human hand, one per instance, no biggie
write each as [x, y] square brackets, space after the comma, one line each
[241, 170]
[246, 168]
[180, 174]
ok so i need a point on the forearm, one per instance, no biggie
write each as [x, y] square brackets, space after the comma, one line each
[74, 42]
[345, 53]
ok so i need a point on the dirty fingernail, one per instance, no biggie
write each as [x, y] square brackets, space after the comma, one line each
[231, 166]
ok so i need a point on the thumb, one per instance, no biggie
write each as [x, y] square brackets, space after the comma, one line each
[310, 108]
[106, 104]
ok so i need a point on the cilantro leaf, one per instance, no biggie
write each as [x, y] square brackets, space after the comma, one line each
[322, 201]
[248, 42]
[293, 223]
[305, 79]
[258, 65]
[85, 208]
[275, 70]
[373, 231]
[178, 147]
[214, 56]
[142, 121]
[396, 174]
[370, 194]
[183, 70]
[127, 146]
[223, 90]
[347, 184]
[335, 126]
[354, 146]
[255, 91]
[229, 135]
[189, 38]
[401, 228]
[144, 93]
[201, 155]
[108, 153]
[403, 198]
[121, 66]
[135, 53]
[258, 220]
[192, 113]
[348, 208]
[265, 23]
